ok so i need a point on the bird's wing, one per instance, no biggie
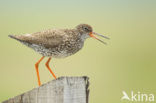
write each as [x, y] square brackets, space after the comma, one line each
[48, 38]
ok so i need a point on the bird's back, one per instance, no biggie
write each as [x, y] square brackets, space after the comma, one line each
[47, 38]
[52, 42]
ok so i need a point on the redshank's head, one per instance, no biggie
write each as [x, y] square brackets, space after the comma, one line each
[86, 31]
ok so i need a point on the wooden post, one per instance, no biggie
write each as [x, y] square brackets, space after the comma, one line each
[61, 90]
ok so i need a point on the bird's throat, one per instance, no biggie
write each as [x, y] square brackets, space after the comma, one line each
[84, 37]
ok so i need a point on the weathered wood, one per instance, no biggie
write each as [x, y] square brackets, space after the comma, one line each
[61, 90]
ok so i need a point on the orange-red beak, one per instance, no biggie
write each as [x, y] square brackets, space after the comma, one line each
[92, 34]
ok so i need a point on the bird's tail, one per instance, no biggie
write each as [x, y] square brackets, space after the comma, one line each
[15, 37]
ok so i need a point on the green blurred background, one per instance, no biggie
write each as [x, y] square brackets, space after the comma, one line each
[127, 63]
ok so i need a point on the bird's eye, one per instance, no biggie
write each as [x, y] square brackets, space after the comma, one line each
[85, 28]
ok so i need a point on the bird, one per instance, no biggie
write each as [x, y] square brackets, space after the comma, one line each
[57, 43]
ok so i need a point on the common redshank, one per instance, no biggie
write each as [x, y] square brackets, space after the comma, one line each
[57, 43]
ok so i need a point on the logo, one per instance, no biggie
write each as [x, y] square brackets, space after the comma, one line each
[138, 97]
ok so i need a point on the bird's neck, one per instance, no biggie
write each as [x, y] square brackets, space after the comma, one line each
[84, 37]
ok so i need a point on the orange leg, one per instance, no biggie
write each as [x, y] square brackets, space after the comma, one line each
[47, 65]
[36, 66]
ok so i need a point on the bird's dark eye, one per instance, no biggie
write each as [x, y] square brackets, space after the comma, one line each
[85, 28]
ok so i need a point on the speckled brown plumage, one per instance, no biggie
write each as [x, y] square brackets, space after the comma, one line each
[57, 43]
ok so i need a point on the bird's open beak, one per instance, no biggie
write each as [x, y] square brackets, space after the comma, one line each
[92, 34]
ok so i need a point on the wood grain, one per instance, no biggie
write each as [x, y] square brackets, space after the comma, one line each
[61, 90]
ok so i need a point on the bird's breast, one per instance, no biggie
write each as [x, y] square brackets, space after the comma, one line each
[64, 49]
[70, 47]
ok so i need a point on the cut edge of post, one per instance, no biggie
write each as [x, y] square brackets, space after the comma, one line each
[86, 79]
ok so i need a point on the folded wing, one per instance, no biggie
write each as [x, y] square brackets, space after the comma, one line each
[49, 38]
